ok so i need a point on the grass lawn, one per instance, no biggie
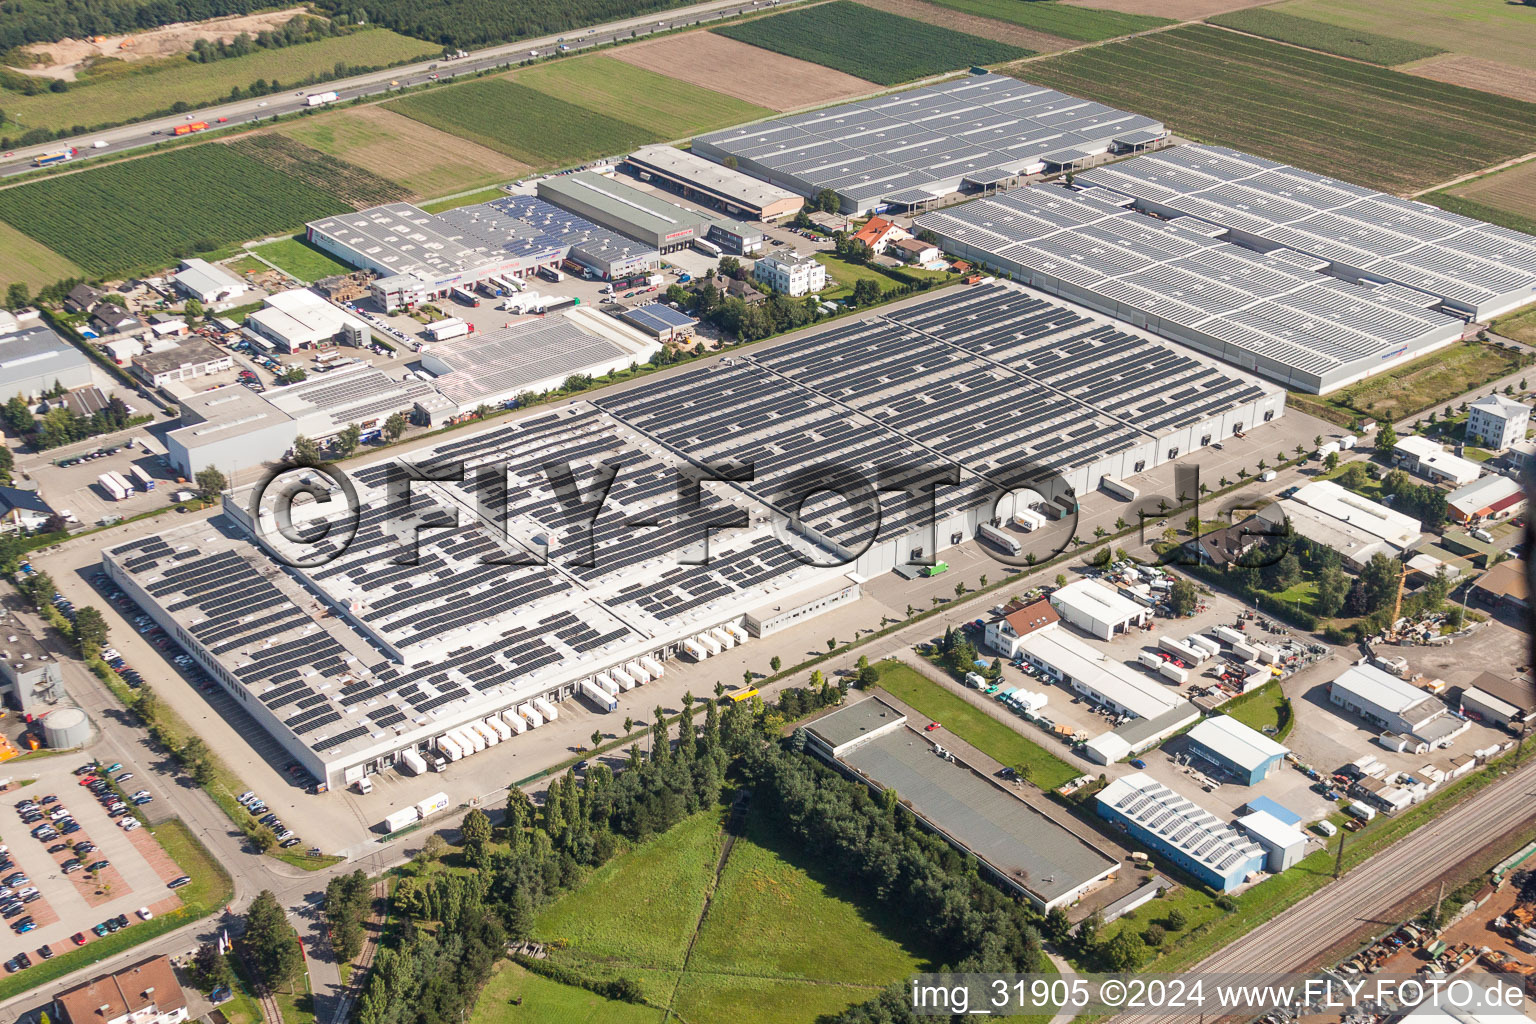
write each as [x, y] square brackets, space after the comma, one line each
[889, 49]
[669, 107]
[485, 195]
[663, 885]
[1084, 24]
[530, 126]
[980, 730]
[137, 89]
[1414, 387]
[545, 1000]
[1261, 709]
[30, 262]
[1372, 125]
[301, 259]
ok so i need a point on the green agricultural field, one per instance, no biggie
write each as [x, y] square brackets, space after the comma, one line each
[138, 90]
[1381, 128]
[302, 260]
[538, 129]
[889, 49]
[669, 107]
[26, 261]
[1503, 32]
[142, 215]
[1317, 35]
[1085, 24]
[993, 738]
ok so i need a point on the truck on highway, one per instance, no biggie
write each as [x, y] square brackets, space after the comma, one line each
[1001, 538]
[320, 98]
[188, 129]
[58, 156]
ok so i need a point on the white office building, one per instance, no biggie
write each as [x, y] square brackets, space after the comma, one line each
[1497, 422]
[790, 273]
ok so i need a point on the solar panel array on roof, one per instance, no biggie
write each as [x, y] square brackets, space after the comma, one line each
[1268, 312]
[914, 146]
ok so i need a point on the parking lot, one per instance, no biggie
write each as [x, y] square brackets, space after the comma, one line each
[78, 872]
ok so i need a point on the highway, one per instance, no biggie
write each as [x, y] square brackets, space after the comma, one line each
[247, 111]
[1295, 939]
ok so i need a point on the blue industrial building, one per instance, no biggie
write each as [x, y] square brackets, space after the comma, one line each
[1181, 831]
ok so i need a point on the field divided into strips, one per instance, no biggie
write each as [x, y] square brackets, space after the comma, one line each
[1370, 125]
[26, 261]
[346, 181]
[668, 107]
[868, 43]
[535, 128]
[1371, 47]
[426, 161]
[138, 215]
[139, 91]
[781, 943]
[1084, 24]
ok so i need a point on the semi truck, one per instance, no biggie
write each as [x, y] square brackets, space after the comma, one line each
[1001, 538]
[56, 157]
[188, 129]
[604, 700]
[321, 98]
[143, 479]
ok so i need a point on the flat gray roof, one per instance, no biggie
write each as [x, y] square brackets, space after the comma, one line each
[849, 723]
[1013, 837]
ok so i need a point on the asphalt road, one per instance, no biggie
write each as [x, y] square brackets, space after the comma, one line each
[1295, 939]
[244, 112]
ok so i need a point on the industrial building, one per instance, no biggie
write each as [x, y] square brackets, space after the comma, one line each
[1098, 609]
[1351, 524]
[1423, 255]
[207, 283]
[349, 667]
[536, 355]
[1240, 752]
[1497, 422]
[731, 192]
[1395, 706]
[33, 359]
[422, 256]
[1177, 828]
[905, 150]
[1278, 313]
[790, 273]
[644, 216]
[228, 429]
[300, 319]
[1019, 848]
[1430, 460]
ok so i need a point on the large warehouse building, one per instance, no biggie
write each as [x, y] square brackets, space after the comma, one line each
[391, 660]
[1196, 840]
[644, 216]
[731, 192]
[908, 149]
[1279, 313]
[1017, 846]
[421, 256]
[1431, 256]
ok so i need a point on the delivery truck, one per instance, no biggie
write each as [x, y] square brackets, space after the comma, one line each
[320, 99]
[1001, 538]
[604, 700]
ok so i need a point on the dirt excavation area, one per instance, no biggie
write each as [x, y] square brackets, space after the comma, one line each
[67, 57]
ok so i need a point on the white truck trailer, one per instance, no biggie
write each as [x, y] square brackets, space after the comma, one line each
[1001, 538]
[599, 696]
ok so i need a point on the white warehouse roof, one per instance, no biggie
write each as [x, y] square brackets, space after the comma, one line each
[1236, 742]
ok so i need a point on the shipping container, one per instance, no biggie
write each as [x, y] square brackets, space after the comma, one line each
[545, 708]
[1001, 538]
[432, 804]
[597, 695]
